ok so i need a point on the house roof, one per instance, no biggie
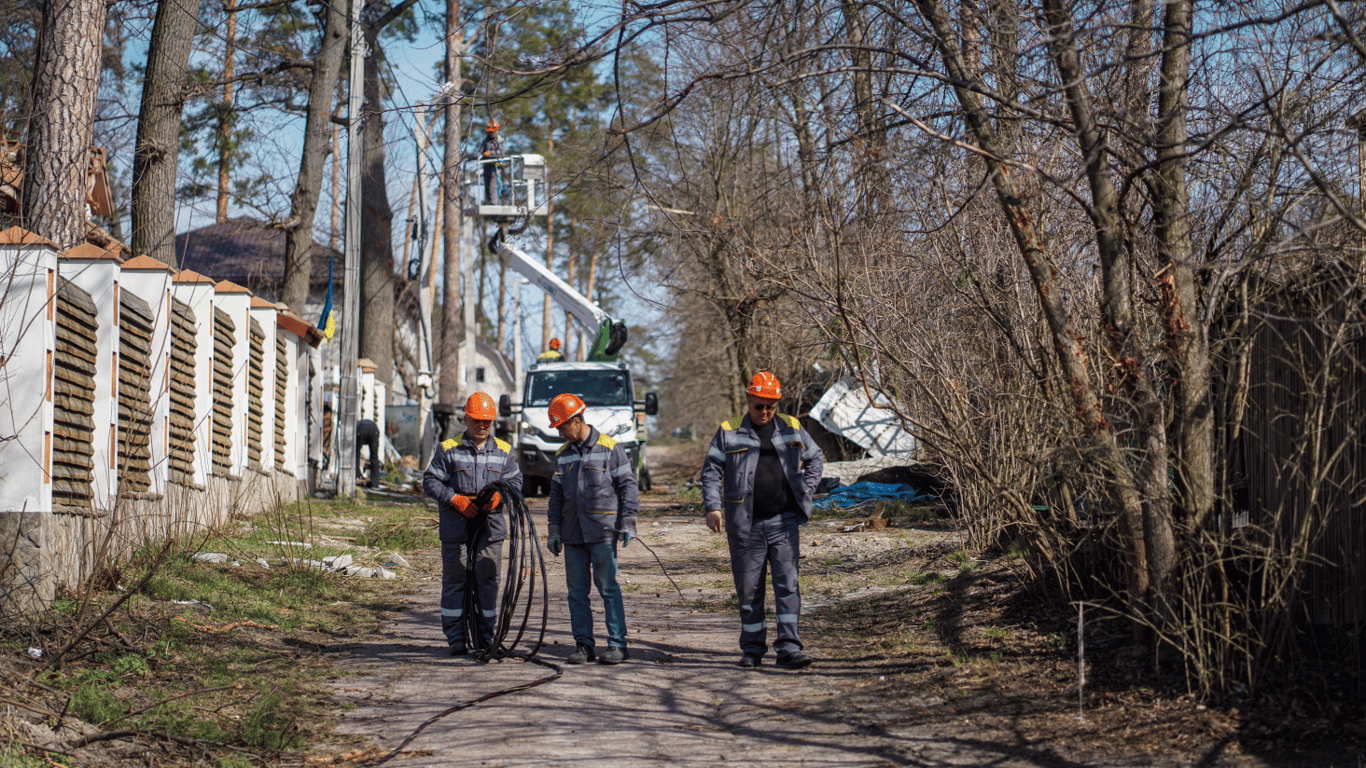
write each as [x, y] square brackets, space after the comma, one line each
[250, 253]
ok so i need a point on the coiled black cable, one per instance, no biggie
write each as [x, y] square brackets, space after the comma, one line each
[524, 562]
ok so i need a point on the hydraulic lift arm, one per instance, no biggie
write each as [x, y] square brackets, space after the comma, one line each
[611, 334]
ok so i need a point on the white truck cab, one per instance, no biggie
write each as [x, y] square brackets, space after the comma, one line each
[607, 390]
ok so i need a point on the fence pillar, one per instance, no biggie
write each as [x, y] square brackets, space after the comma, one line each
[27, 345]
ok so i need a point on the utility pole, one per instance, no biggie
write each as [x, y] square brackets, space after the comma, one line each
[346, 407]
[426, 356]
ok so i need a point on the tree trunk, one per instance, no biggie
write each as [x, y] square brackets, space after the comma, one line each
[1187, 338]
[303, 201]
[65, 83]
[225, 117]
[376, 230]
[156, 152]
[451, 330]
[1150, 541]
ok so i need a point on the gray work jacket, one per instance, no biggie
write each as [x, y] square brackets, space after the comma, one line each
[593, 493]
[460, 468]
[734, 456]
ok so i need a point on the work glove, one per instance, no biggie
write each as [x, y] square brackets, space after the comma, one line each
[488, 499]
[625, 538]
[553, 541]
[463, 506]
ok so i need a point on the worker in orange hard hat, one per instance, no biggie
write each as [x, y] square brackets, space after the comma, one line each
[467, 477]
[552, 355]
[490, 152]
[769, 467]
[593, 505]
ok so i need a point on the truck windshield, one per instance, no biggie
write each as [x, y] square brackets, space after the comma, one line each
[593, 387]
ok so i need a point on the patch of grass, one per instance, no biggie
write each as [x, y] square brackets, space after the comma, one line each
[224, 653]
[402, 529]
[12, 756]
[995, 633]
[925, 578]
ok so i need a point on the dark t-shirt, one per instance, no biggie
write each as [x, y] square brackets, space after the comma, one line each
[772, 494]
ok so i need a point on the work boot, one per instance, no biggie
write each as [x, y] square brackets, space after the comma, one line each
[459, 649]
[582, 654]
[614, 655]
[751, 660]
[794, 660]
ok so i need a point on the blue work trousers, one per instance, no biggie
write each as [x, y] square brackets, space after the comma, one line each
[602, 559]
[455, 564]
[771, 544]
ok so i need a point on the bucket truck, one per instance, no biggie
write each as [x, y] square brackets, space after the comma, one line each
[604, 384]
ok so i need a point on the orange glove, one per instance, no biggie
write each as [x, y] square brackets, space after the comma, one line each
[493, 502]
[463, 506]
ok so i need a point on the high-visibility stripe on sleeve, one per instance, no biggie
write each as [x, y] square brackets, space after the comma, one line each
[622, 471]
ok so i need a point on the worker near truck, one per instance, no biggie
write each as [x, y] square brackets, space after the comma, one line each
[593, 505]
[757, 482]
[471, 523]
[552, 355]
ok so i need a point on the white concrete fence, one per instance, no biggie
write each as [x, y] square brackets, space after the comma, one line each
[138, 403]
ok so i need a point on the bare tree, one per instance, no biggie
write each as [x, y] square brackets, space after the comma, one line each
[317, 140]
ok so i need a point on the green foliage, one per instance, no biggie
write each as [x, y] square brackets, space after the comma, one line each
[131, 665]
[92, 699]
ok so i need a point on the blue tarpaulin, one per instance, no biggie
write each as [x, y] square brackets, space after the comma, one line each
[862, 494]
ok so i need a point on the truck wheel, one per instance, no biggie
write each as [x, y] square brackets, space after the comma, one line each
[643, 480]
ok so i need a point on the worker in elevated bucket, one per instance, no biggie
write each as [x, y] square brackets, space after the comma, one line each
[552, 355]
[490, 150]
[460, 476]
[593, 505]
[757, 482]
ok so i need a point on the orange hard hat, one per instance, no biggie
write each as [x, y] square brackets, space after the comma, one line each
[480, 406]
[565, 407]
[765, 384]
[493, 126]
[554, 343]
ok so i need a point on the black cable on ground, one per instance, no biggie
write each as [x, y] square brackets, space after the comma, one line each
[465, 705]
[524, 562]
[651, 550]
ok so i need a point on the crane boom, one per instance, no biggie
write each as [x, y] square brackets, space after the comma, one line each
[610, 334]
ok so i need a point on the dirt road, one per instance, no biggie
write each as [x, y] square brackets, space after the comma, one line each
[679, 701]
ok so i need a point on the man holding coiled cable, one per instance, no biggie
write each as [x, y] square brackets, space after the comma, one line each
[472, 526]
